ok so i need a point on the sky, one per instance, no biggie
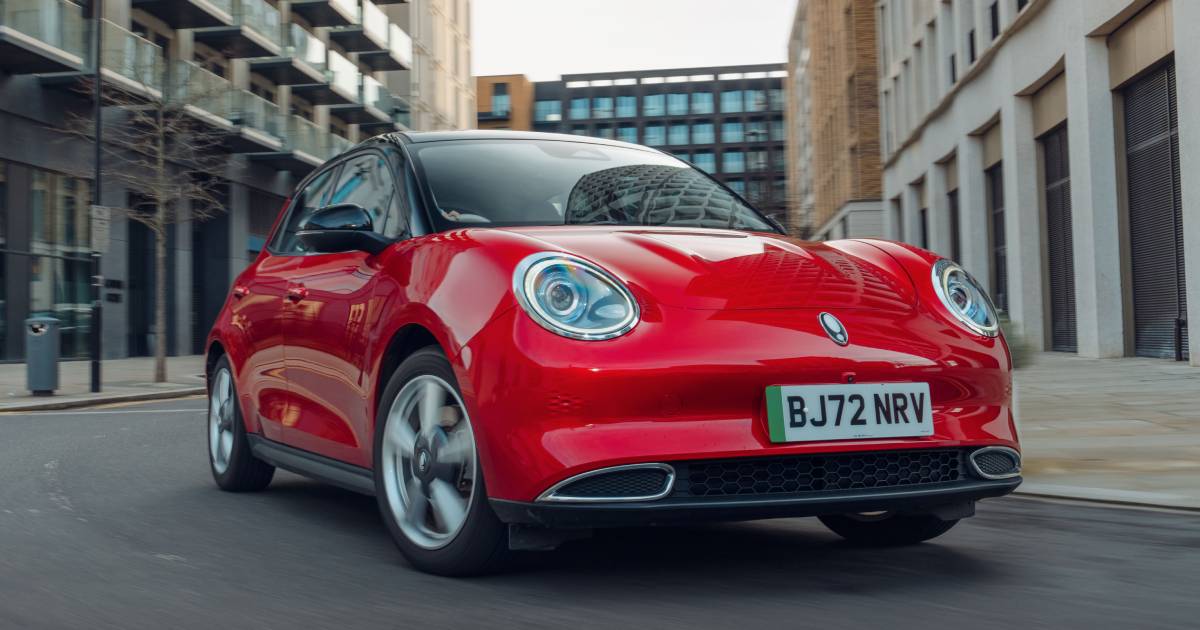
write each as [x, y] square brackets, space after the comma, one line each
[544, 39]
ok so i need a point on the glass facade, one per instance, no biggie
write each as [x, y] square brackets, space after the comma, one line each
[602, 107]
[604, 131]
[703, 133]
[580, 108]
[678, 134]
[579, 130]
[777, 100]
[654, 105]
[731, 101]
[705, 161]
[778, 131]
[738, 186]
[677, 104]
[683, 155]
[702, 103]
[626, 106]
[547, 111]
[732, 131]
[627, 133]
[756, 161]
[756, 101]
[655, 135]
[756, 131]
[733, 162]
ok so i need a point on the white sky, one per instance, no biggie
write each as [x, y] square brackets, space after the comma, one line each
[545, 39]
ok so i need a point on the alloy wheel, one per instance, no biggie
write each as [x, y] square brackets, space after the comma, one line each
[220, 420]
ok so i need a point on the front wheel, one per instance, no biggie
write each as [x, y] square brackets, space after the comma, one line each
[427, 479]
[887, 529]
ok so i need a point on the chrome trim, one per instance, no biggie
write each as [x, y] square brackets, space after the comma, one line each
[548, 495]
[941, 269]
[522, 281]
[987, 449]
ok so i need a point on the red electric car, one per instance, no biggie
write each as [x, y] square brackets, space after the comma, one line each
[510, 339]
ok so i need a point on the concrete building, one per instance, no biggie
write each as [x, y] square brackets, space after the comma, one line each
[1051, 147]
[835, 42]
[504, 102]
[286, 85]
[797, 118]
[727, 120]
[440, 88]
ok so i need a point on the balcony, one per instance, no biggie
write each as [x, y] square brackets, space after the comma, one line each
[251, 124]
[375, 106]
[259, 123]
[255, 31]
[327, 12]
[302, 61]
[305, 147]
[39, 36]
[188, 13]
[397, 55]
[128, 63]
[370, 34]
[340, 84]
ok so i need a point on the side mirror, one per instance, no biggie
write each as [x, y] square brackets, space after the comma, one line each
[343, 227]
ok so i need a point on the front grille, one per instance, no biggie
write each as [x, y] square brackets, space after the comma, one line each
[995, 462]
[808, 474]
[637, 482]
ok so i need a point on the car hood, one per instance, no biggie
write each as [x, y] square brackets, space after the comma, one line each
[730, 270]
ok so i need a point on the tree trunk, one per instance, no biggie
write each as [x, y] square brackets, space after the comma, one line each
[160, 306]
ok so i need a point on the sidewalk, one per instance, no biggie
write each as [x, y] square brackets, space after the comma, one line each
[1125, 430]
[123, 380]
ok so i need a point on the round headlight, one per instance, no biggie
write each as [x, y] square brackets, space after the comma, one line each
[574, 298]
[965, 299]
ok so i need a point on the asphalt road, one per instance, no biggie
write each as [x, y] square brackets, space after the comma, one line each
[109, 519]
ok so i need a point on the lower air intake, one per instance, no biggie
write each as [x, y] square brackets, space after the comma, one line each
[634, 483]
[996, 462]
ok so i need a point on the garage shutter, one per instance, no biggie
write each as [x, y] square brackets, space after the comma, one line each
[1155, 215]
[1060, 249]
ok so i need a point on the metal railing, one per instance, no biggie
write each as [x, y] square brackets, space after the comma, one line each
[56, 23]
[259, 16]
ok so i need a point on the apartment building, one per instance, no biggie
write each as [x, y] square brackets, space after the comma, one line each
[440, 89]
[797, 119]
[837, 140]
[285, 85]
[726, 120]
[1051, 146]
[504, 102]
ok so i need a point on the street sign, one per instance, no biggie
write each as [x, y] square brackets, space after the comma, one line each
[100, 232]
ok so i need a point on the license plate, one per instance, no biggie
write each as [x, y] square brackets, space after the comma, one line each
[807, 413]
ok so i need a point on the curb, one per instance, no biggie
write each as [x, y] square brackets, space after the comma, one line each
[1104, 499]
[52, 405]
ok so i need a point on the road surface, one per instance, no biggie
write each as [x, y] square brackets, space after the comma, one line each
[109, 519]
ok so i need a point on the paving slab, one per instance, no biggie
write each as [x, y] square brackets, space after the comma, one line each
[122, 380]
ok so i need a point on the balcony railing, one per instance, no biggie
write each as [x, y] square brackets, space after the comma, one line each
[54, 23]
[259, 16]
[255, 112]
[374, 21]
[192, 85]
[400, 45]
[306, 47]
[303, 135]
[342, 74]
[131, 57]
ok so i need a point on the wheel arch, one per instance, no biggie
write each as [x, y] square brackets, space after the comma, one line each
[403, 343]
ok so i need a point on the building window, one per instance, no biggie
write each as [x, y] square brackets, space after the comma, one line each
[756, 161]
[778, 132]
[756, 191]
[604, 131]
[627, 133]
[779, 160]
[678, 134]
[756, 101]
[677, 104]
[731, 102]
[547, 111]
[59, 278]
[994, 15]
[501, 104]
[779, 190]
[602, 107]
[971, 46]
[580, 108]
[955, 237]
[705, 161]
[733, 162]
[654, 105]
[579, 130]
[731, 132]
[738, 186]
[1021, 4]
[953, 70]
[702, 103]
[683, 155]
[756, 131]
[703, 133]
[626, 106]
[654, 135]
[923, 226]
[777, 101]
[995, 206]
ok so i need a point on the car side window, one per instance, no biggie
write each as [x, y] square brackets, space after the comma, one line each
[367, 181]
[310, 199]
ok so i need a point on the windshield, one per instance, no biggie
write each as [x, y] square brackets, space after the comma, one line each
[553, 182]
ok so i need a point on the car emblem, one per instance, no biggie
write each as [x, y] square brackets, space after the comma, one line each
[834, 328]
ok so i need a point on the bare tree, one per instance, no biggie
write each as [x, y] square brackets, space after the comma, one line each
[163, 131]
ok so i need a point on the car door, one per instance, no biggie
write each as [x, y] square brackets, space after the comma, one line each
[332, 316]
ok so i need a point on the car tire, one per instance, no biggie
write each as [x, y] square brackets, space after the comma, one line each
[480, 543]
[887, 530]
[234, 467]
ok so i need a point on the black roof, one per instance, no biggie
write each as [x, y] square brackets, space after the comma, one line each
[417, 137]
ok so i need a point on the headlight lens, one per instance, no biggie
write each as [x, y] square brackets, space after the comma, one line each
[965, 299]
[574, 298]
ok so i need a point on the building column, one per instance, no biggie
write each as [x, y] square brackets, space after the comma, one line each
[181, 275]
[910, 218]
[114, 265]
[1187, 88]
[1023, 221]
[239, 229]
[939, 209]
[1094, 203]
[973, 214]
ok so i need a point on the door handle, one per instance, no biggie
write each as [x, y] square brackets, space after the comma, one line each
[240, 291]
[297, 293]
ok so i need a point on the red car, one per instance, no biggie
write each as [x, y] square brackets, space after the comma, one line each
[510, 339]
